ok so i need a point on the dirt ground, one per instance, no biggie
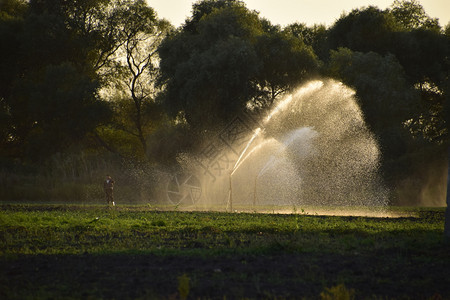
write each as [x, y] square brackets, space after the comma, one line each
[296, 276]
[406, 269]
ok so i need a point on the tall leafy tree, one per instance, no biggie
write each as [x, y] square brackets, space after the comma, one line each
[385, 109]
[314, 36]
[226, 59]
[412, 15]
[133, 91]
[366, 29]
[53, 98]
[207, 71]
[446, 93]
[422, 50]
[55, 111]
[407, 32]
[12, 14]
[206, 7]
[285, 62]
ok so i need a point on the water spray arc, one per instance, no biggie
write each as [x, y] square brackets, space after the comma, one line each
[236, 166]
[283, 104]
[311, 149]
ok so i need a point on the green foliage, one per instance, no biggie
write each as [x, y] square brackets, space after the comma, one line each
[183, 286]
[219, 62]
[11, 27]
[57, 229]
[60, 58]
[417, 43]
[411, 14]
[206, 7]
[167, 141]
[339, 292]
[146, 252]
[225, 58]
[132, 92]
[366, 72]
[12, 8]
[52, 101]
[428, 61]
[55, 110]
[77, 177]
[282, 55]
[385, 109]
[60, 61]
[364, 30]
[399, 78]
[314, 36]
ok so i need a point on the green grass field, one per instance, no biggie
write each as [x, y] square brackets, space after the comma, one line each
[137, 252]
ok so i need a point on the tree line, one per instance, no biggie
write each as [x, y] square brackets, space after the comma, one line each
[109, 76]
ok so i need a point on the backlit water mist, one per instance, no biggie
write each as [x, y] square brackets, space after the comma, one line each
[312, 149]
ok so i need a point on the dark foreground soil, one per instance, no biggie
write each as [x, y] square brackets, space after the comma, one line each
[149, 276]
[136, 254]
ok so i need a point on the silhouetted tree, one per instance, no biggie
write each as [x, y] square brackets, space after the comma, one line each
[79, 41]
[364, 30]
[417, 43]
[12, 14]
[421, 49]
[133, 91]
[385, 109]
[60, 57]
[285, 62]
[226, 58]
[412, 15]
[208, 74]
[314, 36]
[55, 110]
[446, 93]
[206, 7]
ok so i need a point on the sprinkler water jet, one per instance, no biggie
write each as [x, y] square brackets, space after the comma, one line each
[312, 149]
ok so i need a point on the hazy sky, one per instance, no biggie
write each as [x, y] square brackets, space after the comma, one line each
[285, 12]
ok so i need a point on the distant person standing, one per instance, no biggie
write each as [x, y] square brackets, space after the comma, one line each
[108, 186]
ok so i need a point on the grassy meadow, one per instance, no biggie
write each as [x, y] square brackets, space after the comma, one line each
[141, 252]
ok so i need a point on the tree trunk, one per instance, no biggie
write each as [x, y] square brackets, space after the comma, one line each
[447, 211]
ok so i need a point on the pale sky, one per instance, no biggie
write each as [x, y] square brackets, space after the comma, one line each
[284, 12]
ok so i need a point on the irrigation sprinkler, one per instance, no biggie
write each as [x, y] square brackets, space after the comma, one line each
[230, 194]
[238, 163]
[241, 158]
[254, 192]
[294, 159]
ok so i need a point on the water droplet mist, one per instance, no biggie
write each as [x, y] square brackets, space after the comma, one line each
[312, 149]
